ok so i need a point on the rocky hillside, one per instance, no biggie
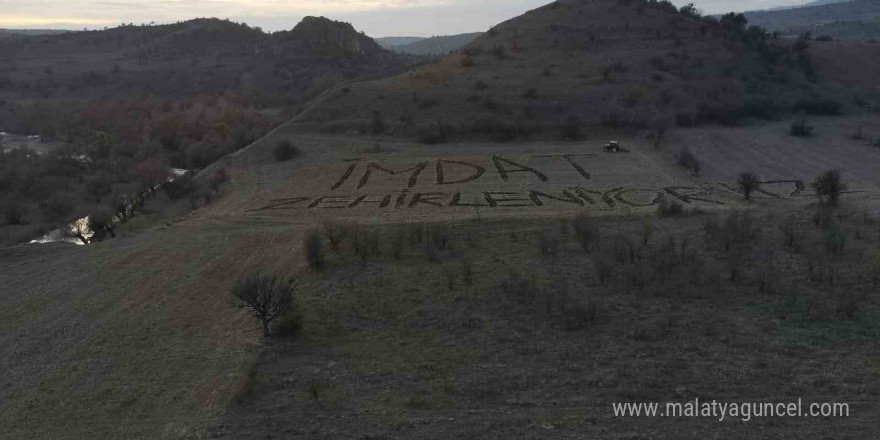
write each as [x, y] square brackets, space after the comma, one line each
[323, 34]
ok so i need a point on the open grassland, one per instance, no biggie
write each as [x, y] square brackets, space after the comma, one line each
[531, 329]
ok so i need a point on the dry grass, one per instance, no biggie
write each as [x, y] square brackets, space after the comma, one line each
[553, 341]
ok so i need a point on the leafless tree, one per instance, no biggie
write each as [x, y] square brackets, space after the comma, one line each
[748, 182]
[268, 297]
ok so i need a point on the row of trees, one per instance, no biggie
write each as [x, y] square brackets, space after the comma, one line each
[116, 151]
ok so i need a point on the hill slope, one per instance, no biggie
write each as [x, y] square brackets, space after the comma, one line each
[615, 64]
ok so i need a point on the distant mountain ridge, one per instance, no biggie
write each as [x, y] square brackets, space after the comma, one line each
[389, 42]
[439, 45]
[822, 12]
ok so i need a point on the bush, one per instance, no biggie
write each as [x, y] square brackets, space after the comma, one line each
[548, 245]
[468, 61]
[314, 247]
[285, 150]
[268, 297]
[571, 129]
[587, 231]
[435, 134]
[748, 182]
[801, 128]
[687, 160]
[670, 208]
[218, 179]
[101, 223]
[378, 125]
[829, 186]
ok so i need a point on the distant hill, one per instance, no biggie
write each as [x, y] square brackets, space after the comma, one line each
[201, 56]
[440, 45]
[23, 32]
[389, 42]
[604, 64]
[817, 14]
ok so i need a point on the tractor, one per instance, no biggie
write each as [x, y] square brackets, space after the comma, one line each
[614, 147]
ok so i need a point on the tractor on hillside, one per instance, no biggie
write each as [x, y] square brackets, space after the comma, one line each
[614, 147]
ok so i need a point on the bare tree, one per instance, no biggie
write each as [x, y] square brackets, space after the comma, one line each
[268, 297]
[748, 183]
[829, 185]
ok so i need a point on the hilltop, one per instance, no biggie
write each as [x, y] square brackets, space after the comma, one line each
[572, 65]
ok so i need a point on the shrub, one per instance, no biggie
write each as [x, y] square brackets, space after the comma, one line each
[218, 179]
[687, 160]
[548, 245]
[801, 128]
[571, 129]
[670, 208]
[587, 231]
[791, 233]
[432, 135]
[377, 124]
[531, 93]
[314, 247]
[829, 186]
[748, 182]
[267, 297]
[101, 223]
[285, 150]
[468, 61]
[498, 52]
[467, 272]
[835, 240]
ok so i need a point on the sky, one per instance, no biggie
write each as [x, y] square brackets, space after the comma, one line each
[378, 18]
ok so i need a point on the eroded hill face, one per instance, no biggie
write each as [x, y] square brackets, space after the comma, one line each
[620, 64]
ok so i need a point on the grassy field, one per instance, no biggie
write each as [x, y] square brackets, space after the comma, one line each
[137, 337]
[511, 329]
